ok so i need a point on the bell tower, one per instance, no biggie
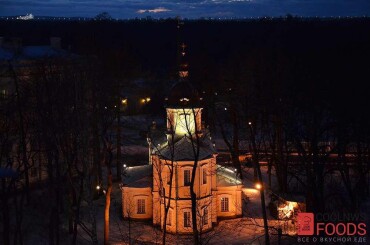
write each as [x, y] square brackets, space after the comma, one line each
[184, 113]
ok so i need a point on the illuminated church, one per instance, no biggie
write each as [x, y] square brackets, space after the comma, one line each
[166, 180]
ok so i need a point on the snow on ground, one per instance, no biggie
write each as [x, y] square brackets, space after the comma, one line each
[245, 230]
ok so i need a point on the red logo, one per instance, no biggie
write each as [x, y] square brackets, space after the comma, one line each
[306, 224]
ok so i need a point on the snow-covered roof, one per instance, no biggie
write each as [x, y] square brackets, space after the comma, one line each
[42, 51]
[8, 173]
[5, 54]
[183, 149]
[227, 177]
[138, 176]
[33, 52]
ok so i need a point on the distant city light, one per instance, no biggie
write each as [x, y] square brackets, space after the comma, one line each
[258, 186]
[98, 187]
[124, 101]
[26, 17]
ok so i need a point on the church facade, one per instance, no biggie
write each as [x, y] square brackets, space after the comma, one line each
[167, 179]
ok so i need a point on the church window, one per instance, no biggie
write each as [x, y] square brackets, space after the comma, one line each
[205, 216]
[141, 206]
[204, 173]
[169, 217]
[187, 219]
[225, 204]
[187, 177]
[185, 123]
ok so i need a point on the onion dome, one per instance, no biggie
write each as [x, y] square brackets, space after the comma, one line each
[183, 94]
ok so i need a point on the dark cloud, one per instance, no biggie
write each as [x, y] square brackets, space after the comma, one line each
[186, 8]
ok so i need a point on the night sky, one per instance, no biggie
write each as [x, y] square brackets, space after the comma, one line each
[187, 9]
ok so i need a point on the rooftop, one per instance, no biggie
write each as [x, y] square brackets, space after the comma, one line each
[227, 177]
[138, 176]
[183, 94]
[183, 150]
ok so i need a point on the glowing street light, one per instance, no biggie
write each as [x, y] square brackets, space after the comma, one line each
[98, 187]
[258, 186]
[145, 100]
[124, 101]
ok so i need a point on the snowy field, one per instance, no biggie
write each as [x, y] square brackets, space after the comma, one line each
[245, 230]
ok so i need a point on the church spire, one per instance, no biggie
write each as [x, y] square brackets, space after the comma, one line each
[183, 66]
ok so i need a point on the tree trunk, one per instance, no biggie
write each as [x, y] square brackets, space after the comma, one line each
[108, 160]
[5, 211]
[119, 155]
[106, 211]
[260, 179]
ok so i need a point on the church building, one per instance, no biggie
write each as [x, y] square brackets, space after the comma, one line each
[165, 184]
[146, 189]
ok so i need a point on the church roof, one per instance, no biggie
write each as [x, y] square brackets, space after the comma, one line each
[138, 176]
[183, 149]
[227, 177]
[183, 94]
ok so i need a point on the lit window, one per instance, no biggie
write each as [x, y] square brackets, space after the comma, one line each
[187, 177]
[205, 216]
[185, 123]
[4, 93]
[204, 171]
[183, 73]
[141, 206]
[225, 204]
[169, 217]
[187, 222]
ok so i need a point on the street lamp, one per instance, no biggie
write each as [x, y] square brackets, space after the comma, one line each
[258, 186]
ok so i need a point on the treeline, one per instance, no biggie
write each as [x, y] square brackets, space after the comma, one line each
[297, 82]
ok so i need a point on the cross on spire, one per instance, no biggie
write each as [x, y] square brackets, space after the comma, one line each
[181, 46]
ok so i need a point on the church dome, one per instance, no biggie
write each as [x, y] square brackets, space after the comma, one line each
[183, 94]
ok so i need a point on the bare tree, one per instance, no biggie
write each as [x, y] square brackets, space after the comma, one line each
[260, 180]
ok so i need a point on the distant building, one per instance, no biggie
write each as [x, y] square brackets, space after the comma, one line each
[25, 58]
[21, 62]
[146, 188]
